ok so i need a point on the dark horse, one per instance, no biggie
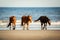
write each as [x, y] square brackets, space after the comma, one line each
[44, 20]
[12, 22]
[26, 20]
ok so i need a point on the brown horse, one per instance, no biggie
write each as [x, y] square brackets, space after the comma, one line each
[12, 22]
[44, 20]
[26, 20]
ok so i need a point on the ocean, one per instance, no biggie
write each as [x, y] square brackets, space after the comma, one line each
[53, 13]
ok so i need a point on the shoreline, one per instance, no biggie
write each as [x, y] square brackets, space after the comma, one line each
[33, 25]
[19, 21]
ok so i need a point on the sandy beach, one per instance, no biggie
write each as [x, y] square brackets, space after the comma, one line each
[29, 35]
[34, 32]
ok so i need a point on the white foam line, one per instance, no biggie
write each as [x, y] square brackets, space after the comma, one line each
[35, 23]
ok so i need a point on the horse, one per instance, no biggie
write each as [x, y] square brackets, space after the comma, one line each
[44, 20]
[12, 22]
[25, 21]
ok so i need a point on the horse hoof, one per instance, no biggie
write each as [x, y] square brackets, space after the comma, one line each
[13, 28]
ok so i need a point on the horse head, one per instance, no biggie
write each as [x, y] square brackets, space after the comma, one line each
[49, 22]
[29, 18]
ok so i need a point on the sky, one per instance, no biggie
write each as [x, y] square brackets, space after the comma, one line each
[29, 3]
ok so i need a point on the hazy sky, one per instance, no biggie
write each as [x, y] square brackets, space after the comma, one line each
[29, 3]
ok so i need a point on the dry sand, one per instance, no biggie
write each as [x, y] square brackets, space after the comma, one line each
[29, 35]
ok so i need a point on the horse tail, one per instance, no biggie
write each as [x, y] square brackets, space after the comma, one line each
[9, 24]
[21, 21]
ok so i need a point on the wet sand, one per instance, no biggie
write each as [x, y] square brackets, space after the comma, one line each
[29, 35]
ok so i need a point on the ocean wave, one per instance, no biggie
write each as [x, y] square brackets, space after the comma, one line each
[5, 22]
[33, 25]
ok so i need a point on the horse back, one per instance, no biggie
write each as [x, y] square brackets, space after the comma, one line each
[25, 19]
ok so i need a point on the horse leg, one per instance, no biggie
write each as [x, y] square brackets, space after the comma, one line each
[45, 26]
[10, 28]
[41, 26]
[24, 27]
[14, 26]
[27, 27]
[10, 25]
